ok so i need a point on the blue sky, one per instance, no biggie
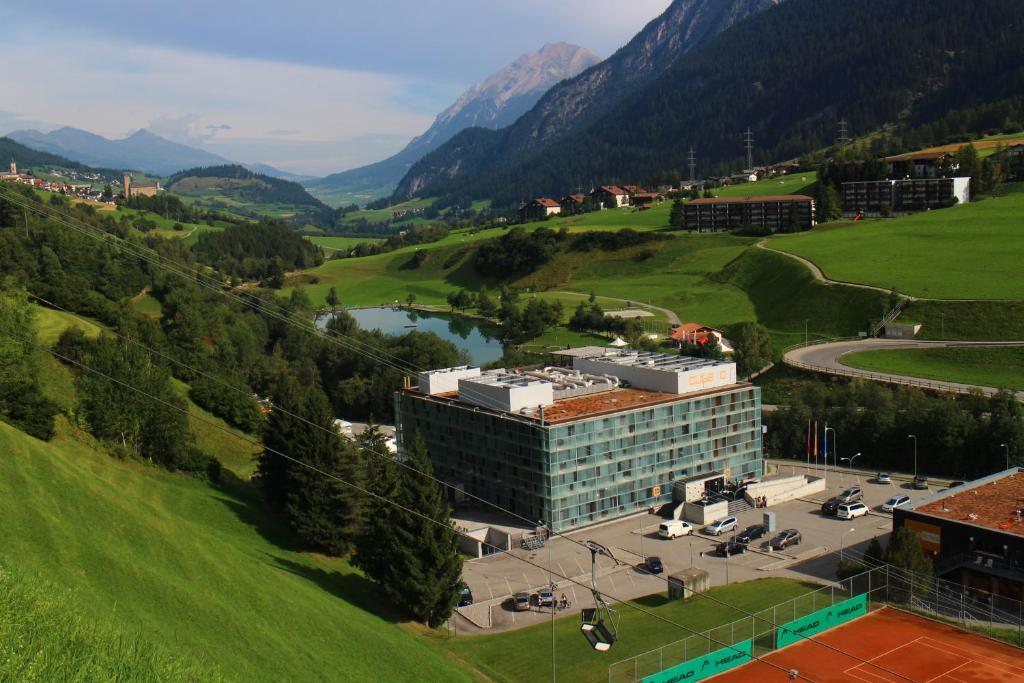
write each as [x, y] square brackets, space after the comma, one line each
[310, 86]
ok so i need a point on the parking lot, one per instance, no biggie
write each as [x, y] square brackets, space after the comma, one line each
[495, 579]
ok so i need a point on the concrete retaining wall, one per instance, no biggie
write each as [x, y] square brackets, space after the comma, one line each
[784, 488]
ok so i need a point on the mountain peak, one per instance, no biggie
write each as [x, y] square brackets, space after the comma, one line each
[502, 97]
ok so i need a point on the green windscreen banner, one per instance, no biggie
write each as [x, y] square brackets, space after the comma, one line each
[822, 620]
[704, 667]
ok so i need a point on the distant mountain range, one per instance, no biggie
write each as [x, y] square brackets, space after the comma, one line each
[789, 73]
[141, 151]
[577, 102]
[494, 102]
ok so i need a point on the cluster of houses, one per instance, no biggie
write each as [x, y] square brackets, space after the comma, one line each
[604, 197]
[72, 189]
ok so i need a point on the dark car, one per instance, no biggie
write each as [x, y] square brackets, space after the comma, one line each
[751, 533]
[830, 507]
[730, 548]
[954, 484]
[785, 539]
[654, 565]
[465, 595]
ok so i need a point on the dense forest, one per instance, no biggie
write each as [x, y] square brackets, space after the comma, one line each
[264, 189]
[258, 251]
[788, 74]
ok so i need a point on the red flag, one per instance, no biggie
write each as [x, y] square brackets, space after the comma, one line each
[808, 438]
[815, 440]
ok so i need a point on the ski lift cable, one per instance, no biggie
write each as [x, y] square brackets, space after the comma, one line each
[376, 496]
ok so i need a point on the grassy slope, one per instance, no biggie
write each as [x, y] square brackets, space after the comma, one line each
[525, 655]
[195, 569]
[966, 320]
[965, 252]
[991, 367]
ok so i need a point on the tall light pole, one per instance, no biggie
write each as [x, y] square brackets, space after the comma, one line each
[914, 437]
[834, 449]
[806, 320]
[1006, 446]
[851, 459]
[842, 539]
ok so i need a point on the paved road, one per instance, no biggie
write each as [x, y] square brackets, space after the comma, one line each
[826, 358]
[673, 319]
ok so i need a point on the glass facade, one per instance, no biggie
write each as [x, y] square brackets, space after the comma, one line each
[579, 472]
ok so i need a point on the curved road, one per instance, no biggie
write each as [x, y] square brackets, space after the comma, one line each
[825, 358]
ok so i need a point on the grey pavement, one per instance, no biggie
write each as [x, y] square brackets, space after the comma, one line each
[495, 578]
[826, 358]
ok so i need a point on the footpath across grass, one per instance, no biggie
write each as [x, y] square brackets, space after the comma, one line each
[525, 654]
[964, 252]
[1000, 367]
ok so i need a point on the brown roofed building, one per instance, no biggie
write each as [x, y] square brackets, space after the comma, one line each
[610, 196]
[646, 198]
[974, 532]
[769, 213]
[573, 203]
[539, 209]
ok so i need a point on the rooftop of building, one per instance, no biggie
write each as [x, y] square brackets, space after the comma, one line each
[593, 405]
[993, 502]
[752, 200]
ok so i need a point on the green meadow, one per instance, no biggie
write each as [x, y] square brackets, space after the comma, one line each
[1000, 367]
[964, 252]
[160, 563]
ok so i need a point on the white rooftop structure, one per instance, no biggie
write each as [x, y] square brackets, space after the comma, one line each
[505, 391]
[445, 380]
[662, 372]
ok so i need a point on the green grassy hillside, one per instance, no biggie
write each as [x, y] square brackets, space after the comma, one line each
[176, 564]
[988, 367]
[965, 252]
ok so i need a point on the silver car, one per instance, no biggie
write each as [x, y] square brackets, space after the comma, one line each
[720, 526]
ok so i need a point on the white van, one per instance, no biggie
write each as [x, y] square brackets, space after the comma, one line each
[851, 510]
[674, 529]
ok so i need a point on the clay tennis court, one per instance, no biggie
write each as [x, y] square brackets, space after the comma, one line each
[895, 647]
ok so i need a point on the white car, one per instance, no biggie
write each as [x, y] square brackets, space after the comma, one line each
[895, 502]
[851, 510]
[674, 529]
[720, 526]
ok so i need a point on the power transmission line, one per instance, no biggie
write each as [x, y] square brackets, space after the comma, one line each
[409, 467]
[378, 497]
[748, 141]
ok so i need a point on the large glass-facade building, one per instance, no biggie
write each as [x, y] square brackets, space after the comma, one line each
[574, 447]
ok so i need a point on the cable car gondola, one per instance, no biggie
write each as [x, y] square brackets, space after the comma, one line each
[600, 622]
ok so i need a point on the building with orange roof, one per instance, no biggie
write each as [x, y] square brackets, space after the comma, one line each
[611, 435]
[539, 209]
[974, 532]
[611, 196]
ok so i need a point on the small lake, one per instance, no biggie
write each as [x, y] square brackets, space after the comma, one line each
[478, 339]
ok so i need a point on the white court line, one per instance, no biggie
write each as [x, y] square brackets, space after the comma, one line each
[967, 654]
[871, 662]
[947, 673]
[857, 674]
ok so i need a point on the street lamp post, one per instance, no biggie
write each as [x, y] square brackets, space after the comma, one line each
[842, 540]
[851, 459]
[1006, 446]
[806, 320]
[914, 437]
[835, 450]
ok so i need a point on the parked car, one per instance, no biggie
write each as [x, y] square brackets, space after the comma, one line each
[883, 478]
[521, 602]
[954, 484]
[920, 482]
[654, 565]
[785, 539]
[830, 507]
[546, 597]
[851, 510]
[674, 529]
[465, 595]
[751, 533]
[719, 526]
[851, 495]
[730, 548]
[895, 502]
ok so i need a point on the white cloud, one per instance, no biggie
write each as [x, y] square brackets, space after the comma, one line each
[194, 97]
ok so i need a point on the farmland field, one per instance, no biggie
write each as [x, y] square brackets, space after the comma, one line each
[990, 367]
[964, 252]
[339, 243]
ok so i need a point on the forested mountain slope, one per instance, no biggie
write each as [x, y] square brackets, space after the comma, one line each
[577, 102]
[789, 74]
